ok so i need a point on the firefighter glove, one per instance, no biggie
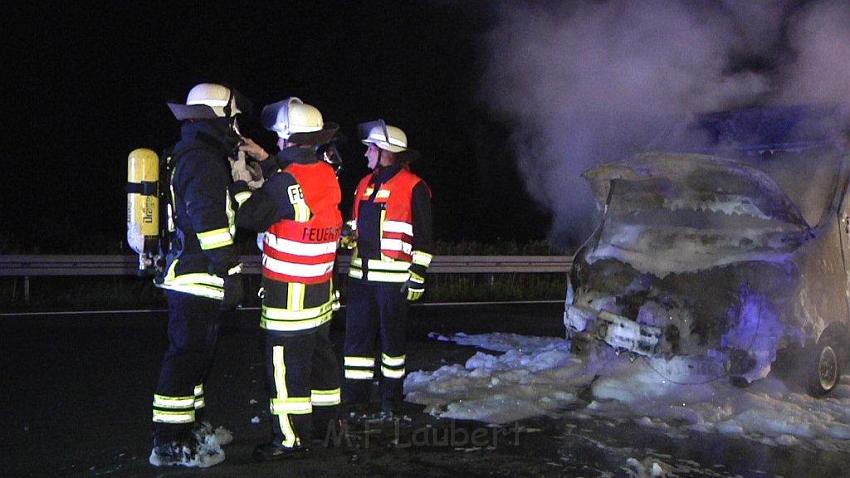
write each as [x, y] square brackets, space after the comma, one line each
[252, 149]
[348, 236]
[414, 287]
[242, 170]
[234, 288]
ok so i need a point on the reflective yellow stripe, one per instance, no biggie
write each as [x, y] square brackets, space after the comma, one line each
[292, 326]
[382, 193]
[379, 276]
[351, 361]
[414, 277]
[295, 302]
[171, 277]
[273, 313]
[200, 284]
[302, 212]
[422, 258]
[162, 416]
[390, 373]
[198, 278]
[393, 361]
[215, 238]
[359, 374]
[279, 371]
[164, 401]
[325, 397]
[243, 196]
[293, 320]
[388, 265]
[289, 437]
[380, 270]
[199, 396]
[297, 406]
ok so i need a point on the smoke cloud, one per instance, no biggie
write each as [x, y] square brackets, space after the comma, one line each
[587, 82]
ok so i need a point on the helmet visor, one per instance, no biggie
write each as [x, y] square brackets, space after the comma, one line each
[272, 114]
[364, 129]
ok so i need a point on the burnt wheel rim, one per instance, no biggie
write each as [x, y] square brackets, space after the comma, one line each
[827, 368]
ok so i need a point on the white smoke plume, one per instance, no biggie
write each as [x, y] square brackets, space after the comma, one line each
[586, 82]
[820, 45]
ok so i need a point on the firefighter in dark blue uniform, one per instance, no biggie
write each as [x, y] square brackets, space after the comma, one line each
[201, 276]
[392, 226]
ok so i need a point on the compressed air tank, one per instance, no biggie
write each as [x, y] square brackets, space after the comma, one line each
[143, 203]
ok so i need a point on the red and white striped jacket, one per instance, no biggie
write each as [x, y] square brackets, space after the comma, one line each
[303, 249]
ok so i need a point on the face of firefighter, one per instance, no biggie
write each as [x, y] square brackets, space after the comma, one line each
[375, 155]
[372, 155]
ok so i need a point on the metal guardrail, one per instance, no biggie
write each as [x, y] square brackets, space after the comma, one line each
[102, 265]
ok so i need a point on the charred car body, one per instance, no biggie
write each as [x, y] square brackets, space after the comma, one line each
[735, 255]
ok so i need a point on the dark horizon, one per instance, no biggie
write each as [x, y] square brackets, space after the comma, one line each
[91, 83]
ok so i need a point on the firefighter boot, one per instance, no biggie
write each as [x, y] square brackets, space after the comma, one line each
[188, 453]
[272, 451]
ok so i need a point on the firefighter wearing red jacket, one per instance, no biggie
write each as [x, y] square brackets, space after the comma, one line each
[391, 221]
[298, 209]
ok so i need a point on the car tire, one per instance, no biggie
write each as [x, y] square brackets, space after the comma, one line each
[824, 366]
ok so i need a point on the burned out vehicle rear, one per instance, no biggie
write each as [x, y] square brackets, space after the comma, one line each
[735, 257]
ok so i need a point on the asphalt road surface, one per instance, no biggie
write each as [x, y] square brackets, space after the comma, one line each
[76, 394]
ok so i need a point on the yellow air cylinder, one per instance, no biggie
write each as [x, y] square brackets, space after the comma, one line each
[142, 200]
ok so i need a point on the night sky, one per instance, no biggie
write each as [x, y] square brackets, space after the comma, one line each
[85, 83]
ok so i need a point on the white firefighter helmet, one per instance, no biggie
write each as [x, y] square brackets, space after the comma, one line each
[387, 137]
[298, 122]
[209, 101]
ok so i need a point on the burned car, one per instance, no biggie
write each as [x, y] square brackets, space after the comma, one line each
[736, 256]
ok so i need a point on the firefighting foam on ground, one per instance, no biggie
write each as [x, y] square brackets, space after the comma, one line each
[531, 376]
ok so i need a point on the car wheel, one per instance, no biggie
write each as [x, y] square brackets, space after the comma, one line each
[824, 370]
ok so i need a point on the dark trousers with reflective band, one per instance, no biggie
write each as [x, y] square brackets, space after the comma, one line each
[375, 310]
[303, 379]
[193, 324]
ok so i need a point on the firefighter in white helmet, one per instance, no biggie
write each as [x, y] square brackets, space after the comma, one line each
[391, 221]
[201, 277]
[298, 209]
